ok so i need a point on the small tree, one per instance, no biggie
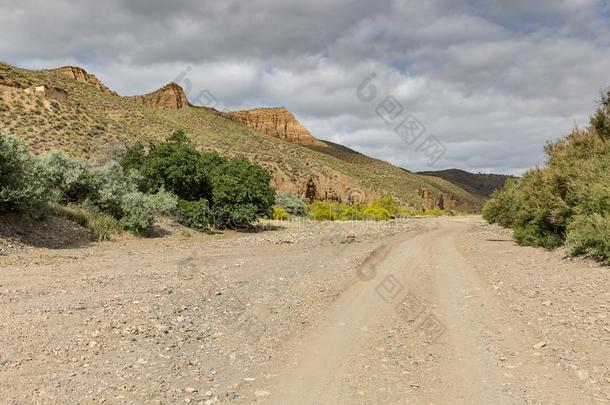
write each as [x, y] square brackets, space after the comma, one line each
[178, 167]
[240, 193]
[134, 157]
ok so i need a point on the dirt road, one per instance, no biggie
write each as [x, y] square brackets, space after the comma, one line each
[424, 287]
[439, 311]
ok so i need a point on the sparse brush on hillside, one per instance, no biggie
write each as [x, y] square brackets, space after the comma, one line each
[568, 200]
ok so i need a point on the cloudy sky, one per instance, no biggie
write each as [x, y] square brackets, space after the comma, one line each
[492, 80]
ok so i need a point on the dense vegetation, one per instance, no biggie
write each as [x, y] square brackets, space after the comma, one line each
[198, 189]
[172, 178]
[227, 193]
[567, 202]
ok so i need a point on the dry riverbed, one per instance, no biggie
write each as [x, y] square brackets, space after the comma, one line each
[443, 310]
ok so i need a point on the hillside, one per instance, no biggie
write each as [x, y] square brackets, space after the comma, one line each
[71, 110]
[482, 184]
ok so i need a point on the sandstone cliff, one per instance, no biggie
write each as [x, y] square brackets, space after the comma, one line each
[170, 96]
[82, 76]
[277, 122]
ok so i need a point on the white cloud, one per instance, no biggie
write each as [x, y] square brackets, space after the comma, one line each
[493, 80]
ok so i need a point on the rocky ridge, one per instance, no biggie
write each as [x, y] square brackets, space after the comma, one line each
[81, 75]
[277, 122]
[170, 96]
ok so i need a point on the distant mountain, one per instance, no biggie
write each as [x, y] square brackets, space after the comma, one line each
[71, 110]
[482, 184]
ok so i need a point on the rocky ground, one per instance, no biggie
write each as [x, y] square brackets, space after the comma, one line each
[444, 310]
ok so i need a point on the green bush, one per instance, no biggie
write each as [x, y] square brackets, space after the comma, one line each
[75, 214]
[225, 192]
[601, 120]
[174, 165]
[568, 200]
[21, 188]
[134, 157]
[382, 210]
[103, 226]
[329, 211]
[237, 191]
[389, 205]
[375, 213]
[194, 214]
[434, 212]
[292, 203]
[532, 234]
[590, 235]
[240, 193]
[280, 214]
[112, 183]
[109, 194]
[501, 206]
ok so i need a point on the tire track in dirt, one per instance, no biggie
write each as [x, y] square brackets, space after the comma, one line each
[484, 356]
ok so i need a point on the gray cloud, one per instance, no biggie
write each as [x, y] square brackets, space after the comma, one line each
[494, 80]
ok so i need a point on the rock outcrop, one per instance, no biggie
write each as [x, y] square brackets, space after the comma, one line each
[170, 96]
[81, 75]
[46, 92]
[277, 122]
[442, 201]
[335, 188]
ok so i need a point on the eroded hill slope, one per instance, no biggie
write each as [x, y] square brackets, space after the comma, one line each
[71, 110]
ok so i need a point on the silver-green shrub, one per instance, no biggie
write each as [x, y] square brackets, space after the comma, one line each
[67, 179]
[137, 212]
[291, 202]
[21, 189]
[164, 202]
[112, 183]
